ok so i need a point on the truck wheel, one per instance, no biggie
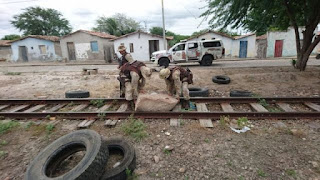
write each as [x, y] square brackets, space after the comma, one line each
[206, 61]
[164, 62]
[47, 164]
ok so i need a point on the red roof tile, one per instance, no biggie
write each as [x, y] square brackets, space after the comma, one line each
[49, 38]
[5, 43]
[99, 34]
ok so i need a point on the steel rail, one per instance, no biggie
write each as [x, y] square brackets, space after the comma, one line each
[163, 115]
[197, 99]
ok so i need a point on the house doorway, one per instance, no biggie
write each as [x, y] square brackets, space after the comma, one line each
[71, 51]
[23, 53]
[243, 49]
[153, 46]
[278, 48]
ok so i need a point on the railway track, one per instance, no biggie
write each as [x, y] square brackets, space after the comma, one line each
[206, 108]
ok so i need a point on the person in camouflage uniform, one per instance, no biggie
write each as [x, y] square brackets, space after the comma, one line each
[175, 78]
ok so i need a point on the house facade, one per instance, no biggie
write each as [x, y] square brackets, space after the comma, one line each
[261, 46]
[87, 45]
[140, 44]
[5, 50]
[36, 48]
[283, 43]
[240, 46]
[244, 46]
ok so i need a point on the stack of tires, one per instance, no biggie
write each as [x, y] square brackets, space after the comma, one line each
[92, 165]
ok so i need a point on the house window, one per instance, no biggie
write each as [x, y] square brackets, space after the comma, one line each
[43, 49]
[94, 46]
[131, 47]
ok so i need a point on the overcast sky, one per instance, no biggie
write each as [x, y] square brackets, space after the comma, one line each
[181, 16]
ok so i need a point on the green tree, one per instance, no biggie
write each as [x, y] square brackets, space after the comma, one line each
[262, 15]
[118, 25]
[11, 37]
[41, 21]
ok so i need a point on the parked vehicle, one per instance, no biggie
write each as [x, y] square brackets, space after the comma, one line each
[204, 52]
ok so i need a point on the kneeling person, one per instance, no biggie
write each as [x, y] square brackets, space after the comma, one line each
[175, 78]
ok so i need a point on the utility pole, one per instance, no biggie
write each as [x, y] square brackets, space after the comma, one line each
[164, 29]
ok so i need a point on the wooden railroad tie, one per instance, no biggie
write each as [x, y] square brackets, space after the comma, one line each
[89, 71]
[112, 122]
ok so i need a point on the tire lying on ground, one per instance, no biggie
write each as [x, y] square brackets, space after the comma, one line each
[91, 166]
[77, 94]
[128, 162]
[221, 79]
[237, 93]
[198, 92]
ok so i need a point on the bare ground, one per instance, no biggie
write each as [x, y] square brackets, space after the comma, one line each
[273, 149]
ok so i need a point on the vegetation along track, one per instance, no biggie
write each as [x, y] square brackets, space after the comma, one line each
[251, 107]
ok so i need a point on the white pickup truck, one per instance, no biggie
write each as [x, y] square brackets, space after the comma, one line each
[204, 52]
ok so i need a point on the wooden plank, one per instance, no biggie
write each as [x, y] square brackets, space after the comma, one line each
[56, 107]
[89, 123]
[104, 108]
[226, 107]
[4, 106]
[108, 122]
[286, 107]
[81, 125]
[313, 106]
[37, 107]
[176, 122]
[201, 107]
[123, 107]
[18, 108]
[80, 107]
[258, 107]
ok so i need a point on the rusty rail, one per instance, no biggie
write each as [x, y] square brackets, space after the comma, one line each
[24, 113]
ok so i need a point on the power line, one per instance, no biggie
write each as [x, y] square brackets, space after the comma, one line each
[18, 1]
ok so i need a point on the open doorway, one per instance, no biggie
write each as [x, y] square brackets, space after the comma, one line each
[23, 53]
[153, 46]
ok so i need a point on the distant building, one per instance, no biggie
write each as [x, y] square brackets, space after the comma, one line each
[283, 43]
[238, 46]
[261, 46]
[5, 50]
[140, 44]
[87, 45]
[35, 48]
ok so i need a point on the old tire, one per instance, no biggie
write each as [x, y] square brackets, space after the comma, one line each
[221, 79]
[164, 62]
[91, 165]
[206, 61]
[198, 92]
[128, 161]
[318, 56]
[77, 94]
[237, 93]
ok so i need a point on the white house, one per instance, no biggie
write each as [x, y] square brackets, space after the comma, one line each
[239, 46]
[140, 44]
[283, 43]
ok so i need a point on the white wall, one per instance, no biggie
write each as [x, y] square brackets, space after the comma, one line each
[251, 48]
[227, 42]
[289, 42]
[140, 45]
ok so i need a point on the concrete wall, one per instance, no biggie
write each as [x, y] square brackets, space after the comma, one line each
[289, 42]
[5, 53]
[251, 47]
[82, 45]
[33, 50]
[261, 47]
[140, 45]
[227, 42]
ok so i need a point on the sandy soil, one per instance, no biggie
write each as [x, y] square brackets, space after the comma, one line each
[273, 149]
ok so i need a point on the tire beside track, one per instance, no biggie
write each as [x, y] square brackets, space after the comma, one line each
[198, 92]
[77, 94]
[90, 167]
[237, 93]
[128, 161]
[221, 79]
